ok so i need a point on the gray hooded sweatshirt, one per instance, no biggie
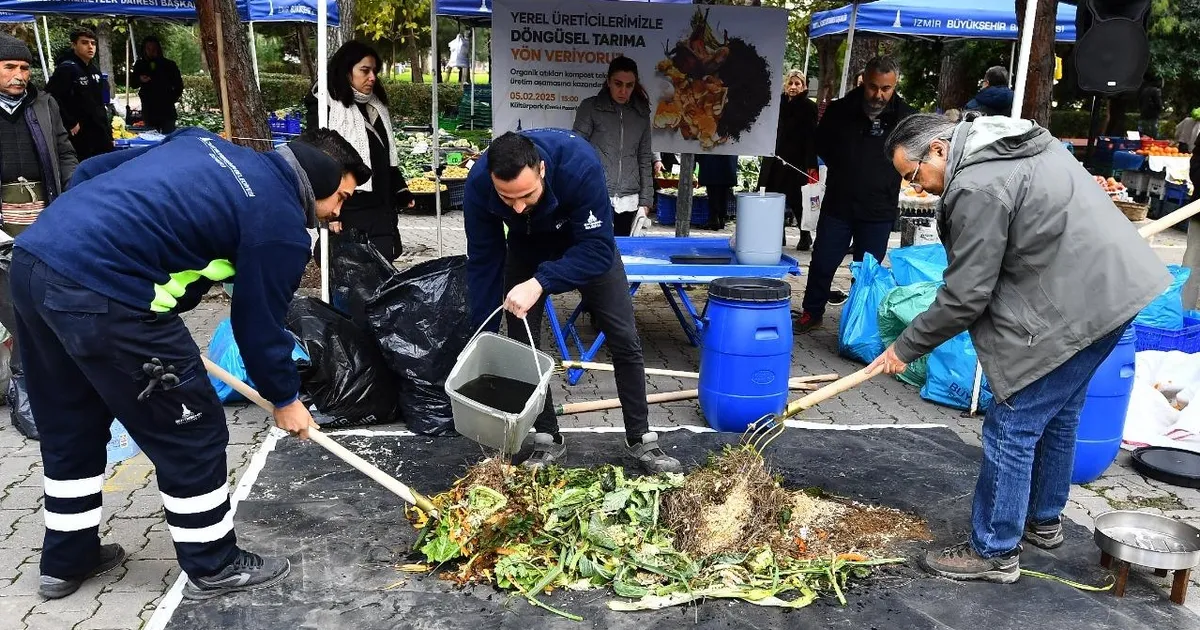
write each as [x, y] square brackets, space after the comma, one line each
[1042, 264]
[621, 135]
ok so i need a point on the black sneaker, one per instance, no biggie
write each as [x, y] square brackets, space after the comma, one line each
[1046, 536]
[836, 298]
[111, 557]
[960, 562]
[247, 572]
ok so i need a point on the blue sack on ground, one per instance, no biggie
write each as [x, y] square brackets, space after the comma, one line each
[223, 350]
[918, 263]
[950, 375]
[1166, 311]
[858, 331]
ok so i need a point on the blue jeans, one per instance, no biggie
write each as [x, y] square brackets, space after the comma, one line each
[834, 236]
[1029, 451]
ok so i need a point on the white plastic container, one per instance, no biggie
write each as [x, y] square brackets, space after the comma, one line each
[758, 236]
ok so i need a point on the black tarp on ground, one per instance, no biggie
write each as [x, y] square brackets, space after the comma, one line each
[344, 534]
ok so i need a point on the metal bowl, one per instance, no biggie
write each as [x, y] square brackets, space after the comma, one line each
[1148, 540]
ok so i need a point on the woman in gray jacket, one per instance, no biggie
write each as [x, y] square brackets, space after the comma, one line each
[617, 123]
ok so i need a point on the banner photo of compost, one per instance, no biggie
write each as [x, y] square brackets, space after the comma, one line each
[713, 74]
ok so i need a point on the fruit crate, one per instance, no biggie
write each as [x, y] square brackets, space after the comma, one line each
[1186, 339]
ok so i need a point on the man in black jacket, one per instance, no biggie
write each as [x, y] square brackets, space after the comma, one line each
[76, 86]
[161, 86]
[863, 187]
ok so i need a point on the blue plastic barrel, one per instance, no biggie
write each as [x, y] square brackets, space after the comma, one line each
[746, 355]
[1102, 421]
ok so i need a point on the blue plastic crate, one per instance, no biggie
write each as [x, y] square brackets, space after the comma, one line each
[665, 205]
[1175, 192]
[1186, 339]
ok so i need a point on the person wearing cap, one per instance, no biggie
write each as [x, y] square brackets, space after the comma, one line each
[103, 339]
[161, 86]
[77, 86]
[36, 159]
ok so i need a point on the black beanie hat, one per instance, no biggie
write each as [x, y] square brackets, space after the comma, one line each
[324, 173]
[13, 49]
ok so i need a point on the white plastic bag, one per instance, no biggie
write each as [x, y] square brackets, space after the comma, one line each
[811, 196]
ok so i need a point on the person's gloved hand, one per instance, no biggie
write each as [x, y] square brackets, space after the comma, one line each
[294, 418]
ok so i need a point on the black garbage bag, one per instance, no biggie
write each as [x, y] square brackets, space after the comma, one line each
[346, 377]
[420, 319]
[18, 403]
[357, 271]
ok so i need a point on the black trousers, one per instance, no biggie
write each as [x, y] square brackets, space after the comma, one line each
[612, 309]
[834, 236]
[83, 355]
[623, 223]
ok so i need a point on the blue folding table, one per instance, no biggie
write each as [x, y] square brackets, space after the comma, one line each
[647, 259]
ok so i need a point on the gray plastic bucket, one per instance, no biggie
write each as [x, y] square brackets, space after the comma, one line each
[492, 354]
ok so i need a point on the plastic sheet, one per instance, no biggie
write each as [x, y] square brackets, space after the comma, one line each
[418, 317]
[918, 263]
[1166, 311]
[356, 274]
[345, 377]
[858, 331]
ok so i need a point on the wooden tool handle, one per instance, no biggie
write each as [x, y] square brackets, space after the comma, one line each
[326, 442]
[613, 403]
[829, 391]
[608, 367]
[1181, 214]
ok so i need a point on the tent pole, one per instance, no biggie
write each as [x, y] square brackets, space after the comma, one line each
[1012, 60]
[254, 53]
[849, 50]
[807, 52]
[46, 32]
[323, 121]
[128, 70]
[437, 158]
[41, 53]
[1023, 62]
[471, 77]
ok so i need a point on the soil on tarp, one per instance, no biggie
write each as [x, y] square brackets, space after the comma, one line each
[734, 504]
[312, 276]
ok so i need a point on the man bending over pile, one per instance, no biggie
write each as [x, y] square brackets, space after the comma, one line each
[547, 186]
[99, 282]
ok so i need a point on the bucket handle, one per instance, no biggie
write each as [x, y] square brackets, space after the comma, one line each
[537, 368]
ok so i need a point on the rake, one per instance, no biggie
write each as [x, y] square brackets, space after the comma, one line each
[762, 432]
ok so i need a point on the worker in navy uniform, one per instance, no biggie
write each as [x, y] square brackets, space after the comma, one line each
[77, 86]
[102, 337]
[547, 187]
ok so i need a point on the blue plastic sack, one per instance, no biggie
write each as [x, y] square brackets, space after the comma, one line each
[223, 350]
[950, 375]
[858, 331]
[1166, 311]
[918, 263]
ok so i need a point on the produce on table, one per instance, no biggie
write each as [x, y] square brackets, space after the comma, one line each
[1156, 150]
[419, 185]
[451, 172]
[119, 131]
[727, 530]
[1110, 185]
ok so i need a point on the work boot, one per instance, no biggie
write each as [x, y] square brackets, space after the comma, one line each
[546, 450]
[247, 572]
[960, 562]
[1046, 536]
[805, 323]
[111, 557]
[651, 457]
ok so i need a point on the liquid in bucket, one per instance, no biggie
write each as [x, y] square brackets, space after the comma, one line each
[499, 392]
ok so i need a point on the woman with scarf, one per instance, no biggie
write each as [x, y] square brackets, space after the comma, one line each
[795, 150]
[358, 110]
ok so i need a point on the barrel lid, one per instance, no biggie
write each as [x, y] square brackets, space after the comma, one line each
[750, 289]
[1168, 465]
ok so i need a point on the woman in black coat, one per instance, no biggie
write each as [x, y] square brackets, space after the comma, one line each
[796, 145]
[358, 110]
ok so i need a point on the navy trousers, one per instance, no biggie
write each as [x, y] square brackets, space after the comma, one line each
[833, 238]
[84, 358]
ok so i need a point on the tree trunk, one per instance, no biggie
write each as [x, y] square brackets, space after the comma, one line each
[1040, 80]
[306, 56]
[105, 54]
[415, 59]
[830, 71]
[248, 116]
[346, 19]
[865, 47]
[954, 87]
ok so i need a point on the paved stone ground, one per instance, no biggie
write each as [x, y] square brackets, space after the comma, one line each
[126, 598]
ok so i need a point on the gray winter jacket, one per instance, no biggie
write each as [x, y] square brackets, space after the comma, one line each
[621, 135]
[1042, 264]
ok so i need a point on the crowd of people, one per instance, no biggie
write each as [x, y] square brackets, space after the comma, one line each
[541, 212]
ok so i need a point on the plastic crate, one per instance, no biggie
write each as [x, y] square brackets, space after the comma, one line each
[1175, 192]
[1186, 339]
[665, 205]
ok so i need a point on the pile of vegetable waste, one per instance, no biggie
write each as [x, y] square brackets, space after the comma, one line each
[727, 530]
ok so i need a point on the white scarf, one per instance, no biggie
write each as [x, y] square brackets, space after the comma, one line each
[352, 125]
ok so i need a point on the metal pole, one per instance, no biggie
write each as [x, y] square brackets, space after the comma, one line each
[46, 32]
[41, 53]
[849, 50]
[807, 52]
[128, 70]
[1012, 61]
[323, 121]
[471, 77]
[437, 158]
[254, 53]
[1023, 62]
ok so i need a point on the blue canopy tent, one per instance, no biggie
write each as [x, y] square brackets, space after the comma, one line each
[941, 19]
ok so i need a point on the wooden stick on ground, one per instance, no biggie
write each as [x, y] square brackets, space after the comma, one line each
[608, 367]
